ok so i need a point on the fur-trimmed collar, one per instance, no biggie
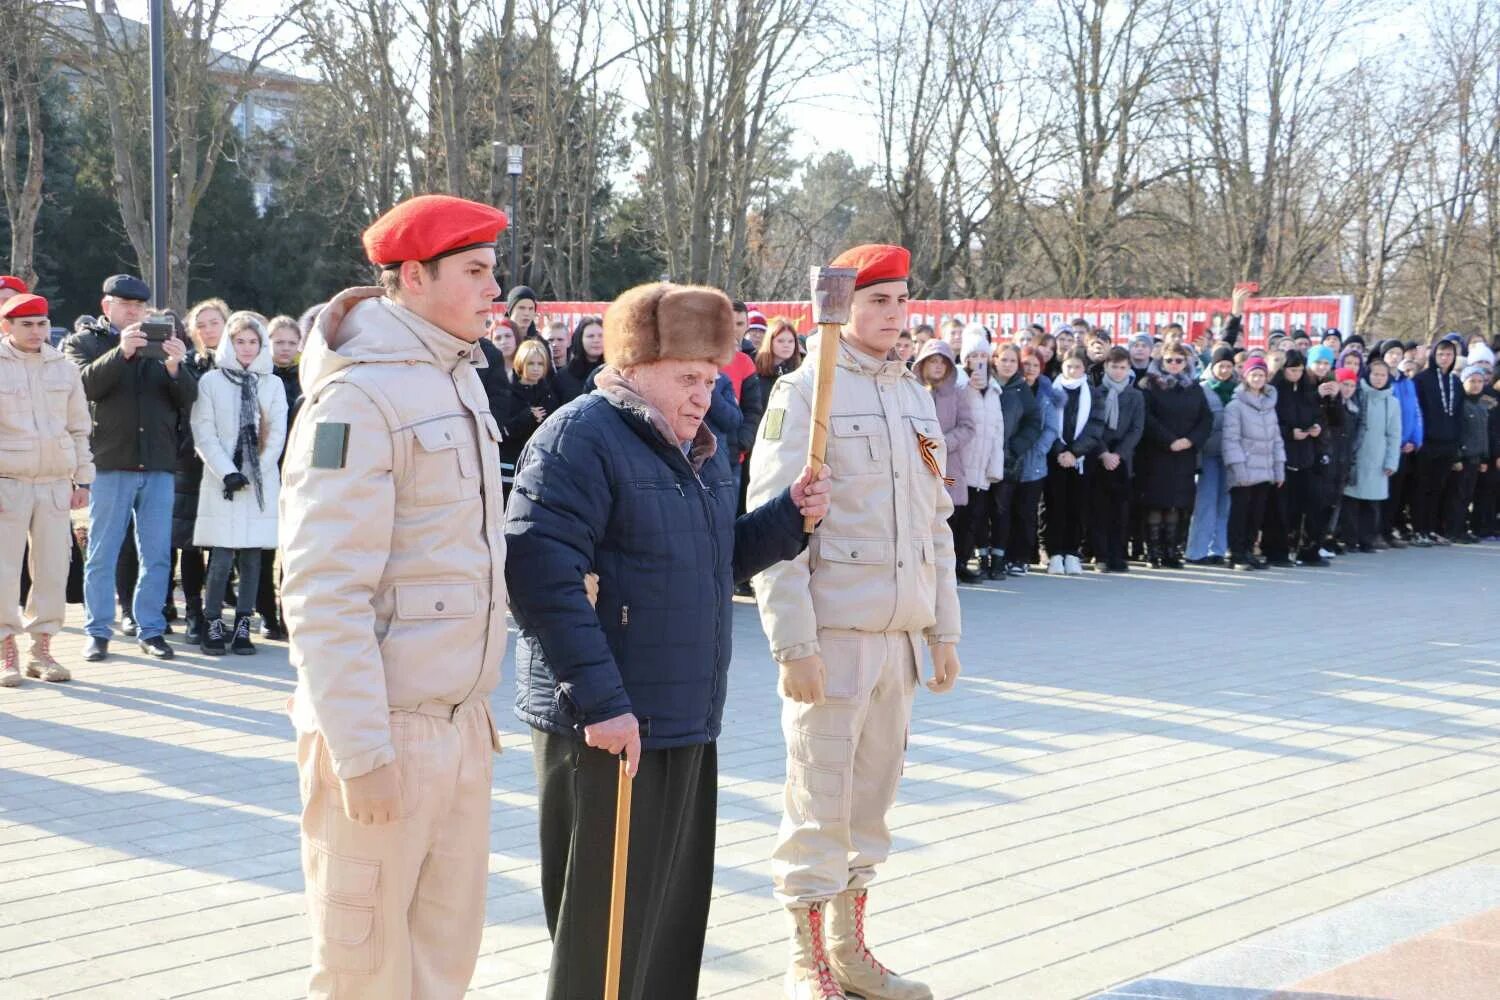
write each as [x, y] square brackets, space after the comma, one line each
[614, 387]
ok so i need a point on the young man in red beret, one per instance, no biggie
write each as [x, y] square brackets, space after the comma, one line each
[394, 597]
[847, 620]
[44, 472]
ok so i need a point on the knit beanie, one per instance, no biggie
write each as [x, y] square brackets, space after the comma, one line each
[1253, 364]
[1474, 371]
[1221, 354]
[1319, 353]
[1346, 375]
[517, 294]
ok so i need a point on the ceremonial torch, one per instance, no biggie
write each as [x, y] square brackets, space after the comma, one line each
[832, 295]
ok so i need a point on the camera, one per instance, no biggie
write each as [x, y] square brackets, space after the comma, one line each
[157, 329]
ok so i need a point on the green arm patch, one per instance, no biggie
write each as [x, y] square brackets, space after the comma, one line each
[330, 446]
[771, 425]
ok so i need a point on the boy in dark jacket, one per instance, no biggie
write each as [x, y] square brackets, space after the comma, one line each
[1291, 520]
[1109, 487]
[1473, 454]
[1440, 395]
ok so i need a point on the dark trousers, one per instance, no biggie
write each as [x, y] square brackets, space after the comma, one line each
[1460, 496]
[1067, 498]
[1109, 513]
[1020, 538]
[1362, 520]
[1395, 510]
[220, 562]
[267, 592]
[980, 523]
[1435, 482]
[192, 568]
[674, 807]
[1301, 510]
[1247, 516]
[1486, 501]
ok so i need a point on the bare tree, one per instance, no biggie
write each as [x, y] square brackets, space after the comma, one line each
[23, 74]
[208, 87]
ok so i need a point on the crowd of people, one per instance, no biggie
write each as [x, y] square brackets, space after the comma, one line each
[1064, 449]
[1069, 449]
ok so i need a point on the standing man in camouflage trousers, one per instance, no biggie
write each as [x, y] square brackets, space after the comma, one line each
[847, 620]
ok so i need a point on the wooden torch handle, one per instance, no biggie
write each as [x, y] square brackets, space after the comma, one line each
[817, 447]
[617, 890]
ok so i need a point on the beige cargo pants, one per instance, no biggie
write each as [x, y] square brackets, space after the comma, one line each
[397, 909]
[844, 760]
[35, 513]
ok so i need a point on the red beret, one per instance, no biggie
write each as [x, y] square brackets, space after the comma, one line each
[14, 283]
[22, 306]
[431, 226]
[876, 262]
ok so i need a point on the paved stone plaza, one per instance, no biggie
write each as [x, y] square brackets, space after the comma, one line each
[1189, 784]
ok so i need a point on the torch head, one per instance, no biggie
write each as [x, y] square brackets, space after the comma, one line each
[832, 294]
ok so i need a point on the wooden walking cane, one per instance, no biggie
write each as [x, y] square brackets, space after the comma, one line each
[617, 891]
[832, 295]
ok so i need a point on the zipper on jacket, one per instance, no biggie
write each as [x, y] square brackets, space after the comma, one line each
[708, 513]
[624, 614]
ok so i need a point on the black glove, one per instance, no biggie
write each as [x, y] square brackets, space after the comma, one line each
[233, 483]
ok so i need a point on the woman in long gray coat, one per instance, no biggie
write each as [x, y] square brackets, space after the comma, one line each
[1376, 455]
[1254, 461]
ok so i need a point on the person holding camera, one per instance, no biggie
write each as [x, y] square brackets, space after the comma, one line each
[239, 428]
[134, 378]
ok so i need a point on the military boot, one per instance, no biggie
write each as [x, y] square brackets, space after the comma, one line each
[41, 664]
[809, 976]
[10, 663]
[856, 969]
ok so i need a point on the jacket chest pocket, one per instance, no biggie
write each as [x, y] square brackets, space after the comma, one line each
[444, 463]
[857, 445]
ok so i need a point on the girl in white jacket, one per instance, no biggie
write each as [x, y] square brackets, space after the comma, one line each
[983, 464]
[239, 428]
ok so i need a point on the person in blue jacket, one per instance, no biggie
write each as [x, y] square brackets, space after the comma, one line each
[622, 551]
[1404, 390]
[1021, 551]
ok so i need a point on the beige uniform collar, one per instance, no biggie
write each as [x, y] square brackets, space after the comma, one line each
[891, 369]
[447, 350]
[47, 353]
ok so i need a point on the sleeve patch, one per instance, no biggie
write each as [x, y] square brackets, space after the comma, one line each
[771, 426]
[330, 446]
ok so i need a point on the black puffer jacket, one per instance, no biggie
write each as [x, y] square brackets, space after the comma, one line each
[1298, 408]
[519, 422]
[136, 405]
[1023, 424]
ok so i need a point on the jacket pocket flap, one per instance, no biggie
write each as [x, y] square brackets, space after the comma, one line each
[874, 551]
[856, 425]
[436, 600]
[438, 435]
[927, 427]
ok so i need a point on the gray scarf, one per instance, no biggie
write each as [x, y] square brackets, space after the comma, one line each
[247, 443]
[1112, 390]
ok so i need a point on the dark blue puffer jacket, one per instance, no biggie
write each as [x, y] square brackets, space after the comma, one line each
[598, 489]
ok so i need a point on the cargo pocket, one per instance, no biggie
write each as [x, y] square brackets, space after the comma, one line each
[341, 902]
[843, 663]
[818, 776]
[419, 601]
[445, 465]
[857, 444]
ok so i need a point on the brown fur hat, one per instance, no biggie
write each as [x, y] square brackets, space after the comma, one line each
[663, 321]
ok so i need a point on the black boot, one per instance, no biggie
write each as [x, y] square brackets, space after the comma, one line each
[241, 644]
[1154, 544]
[995, 569]
[214, 643]
[1172, 543]
[195, 627]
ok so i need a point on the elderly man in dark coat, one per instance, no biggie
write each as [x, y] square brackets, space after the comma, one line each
[623, 552]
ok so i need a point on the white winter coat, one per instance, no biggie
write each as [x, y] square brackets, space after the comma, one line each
[238, 523]
[984, 454]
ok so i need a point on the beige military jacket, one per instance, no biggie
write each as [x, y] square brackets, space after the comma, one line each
[394, 559]
[882, 560]
[44, 418]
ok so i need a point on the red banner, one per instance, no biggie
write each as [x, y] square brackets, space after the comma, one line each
[1122, 317]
